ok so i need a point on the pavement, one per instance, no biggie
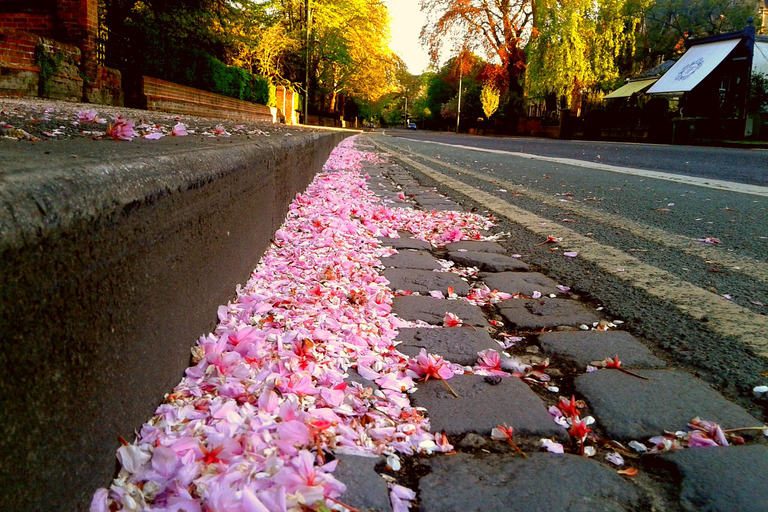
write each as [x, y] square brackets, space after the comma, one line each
[559, 336]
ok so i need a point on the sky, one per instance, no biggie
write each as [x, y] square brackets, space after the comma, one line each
[406, 24]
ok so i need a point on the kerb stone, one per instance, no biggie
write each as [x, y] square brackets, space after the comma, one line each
[504, 482]
[456, 344]
[433, 310]
[631, 408]
[535, 314]
[482, 406]
[487, 262]
[425, 281]
[722, 479]
[583, 347]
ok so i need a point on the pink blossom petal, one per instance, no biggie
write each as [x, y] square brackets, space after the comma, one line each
[551, 446]
[99, 501]
[401, 498]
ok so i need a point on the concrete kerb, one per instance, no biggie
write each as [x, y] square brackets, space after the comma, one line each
[114, 258]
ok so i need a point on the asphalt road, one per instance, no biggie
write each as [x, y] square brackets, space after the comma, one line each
[702, 305]
[742, 166]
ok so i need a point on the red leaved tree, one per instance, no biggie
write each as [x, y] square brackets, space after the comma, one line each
[499, 27]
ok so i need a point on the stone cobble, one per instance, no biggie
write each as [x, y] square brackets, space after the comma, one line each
[503, 482]
[425, 281]
[537, 314]
[488, 262]
[456, 344]
[584, 347]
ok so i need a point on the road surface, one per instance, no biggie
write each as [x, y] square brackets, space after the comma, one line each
[671, 239]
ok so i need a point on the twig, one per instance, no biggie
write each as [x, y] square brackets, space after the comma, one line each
[745, 428]
[521, 452]
[449, 387]
[632, 374]
[351, 509]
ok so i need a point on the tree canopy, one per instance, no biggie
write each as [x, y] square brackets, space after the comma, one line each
[577, 43]
[499, 29]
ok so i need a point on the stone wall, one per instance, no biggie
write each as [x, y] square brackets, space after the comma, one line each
[158, 94]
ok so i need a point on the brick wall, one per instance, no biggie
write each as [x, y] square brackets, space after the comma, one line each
[36, 23]
[287, 102]
[158, 94]
[17, 49]
[18, 72]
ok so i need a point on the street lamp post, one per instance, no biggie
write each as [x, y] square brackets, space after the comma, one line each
[458, 113]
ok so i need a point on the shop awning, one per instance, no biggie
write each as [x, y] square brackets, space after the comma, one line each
[630, 88]
[694, 66]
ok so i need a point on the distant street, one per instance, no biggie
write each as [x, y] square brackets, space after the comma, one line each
[674, 239]
[748, 166]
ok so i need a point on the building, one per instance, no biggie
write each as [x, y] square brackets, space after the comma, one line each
[712, 83]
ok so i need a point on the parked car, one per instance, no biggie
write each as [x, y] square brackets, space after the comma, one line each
[412, 126]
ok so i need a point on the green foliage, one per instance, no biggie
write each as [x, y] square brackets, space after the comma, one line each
[758, 94]
[578, 44]
[48, 65]
[667, 22]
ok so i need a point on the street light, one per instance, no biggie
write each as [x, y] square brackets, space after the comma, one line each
[458, 114]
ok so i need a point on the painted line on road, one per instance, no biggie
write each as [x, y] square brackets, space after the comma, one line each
[749, 266]
[722, 316]
[739, 188]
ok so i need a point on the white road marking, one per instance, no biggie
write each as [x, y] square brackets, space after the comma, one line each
[722, 316]
[742, 264]
[729, 186]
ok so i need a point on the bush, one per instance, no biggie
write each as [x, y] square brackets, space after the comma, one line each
[157, 54]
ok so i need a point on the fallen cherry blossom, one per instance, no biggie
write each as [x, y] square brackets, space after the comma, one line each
[550, 240]
[401, 498]
[86, 116]
[266, 398]
[122, 129]
[179, 130]
[551, 446]
[615, 458]
[615, 364]
[489, 364]
[429, 365]
[504, 433]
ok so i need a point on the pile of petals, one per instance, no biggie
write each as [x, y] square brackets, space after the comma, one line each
[702, 433]
[253, 423]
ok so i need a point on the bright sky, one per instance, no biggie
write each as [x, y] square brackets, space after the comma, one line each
[406, 24]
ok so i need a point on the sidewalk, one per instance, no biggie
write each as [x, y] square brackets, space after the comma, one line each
[321, 385]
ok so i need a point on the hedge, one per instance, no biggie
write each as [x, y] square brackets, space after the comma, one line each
[199, 69]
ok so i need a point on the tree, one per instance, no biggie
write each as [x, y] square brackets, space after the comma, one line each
[668, 22]
[499, 28]
[577, 42]
[489, 97]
